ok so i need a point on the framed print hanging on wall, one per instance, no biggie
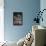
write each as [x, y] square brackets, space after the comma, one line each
[17, 18]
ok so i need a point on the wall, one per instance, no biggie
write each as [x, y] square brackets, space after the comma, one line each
[1, 3]
[28, 7]
[1, 20]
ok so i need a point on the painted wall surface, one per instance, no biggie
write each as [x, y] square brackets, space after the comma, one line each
[1, 3]
[1, 24]
[1, 20]
[28, 7]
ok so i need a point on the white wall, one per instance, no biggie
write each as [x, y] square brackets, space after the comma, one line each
[1, 20]
[1, 3]
[1, 24]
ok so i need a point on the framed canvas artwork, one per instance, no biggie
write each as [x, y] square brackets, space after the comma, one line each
[17, 18]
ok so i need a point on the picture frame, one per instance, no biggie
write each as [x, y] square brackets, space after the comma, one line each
[17, 18]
